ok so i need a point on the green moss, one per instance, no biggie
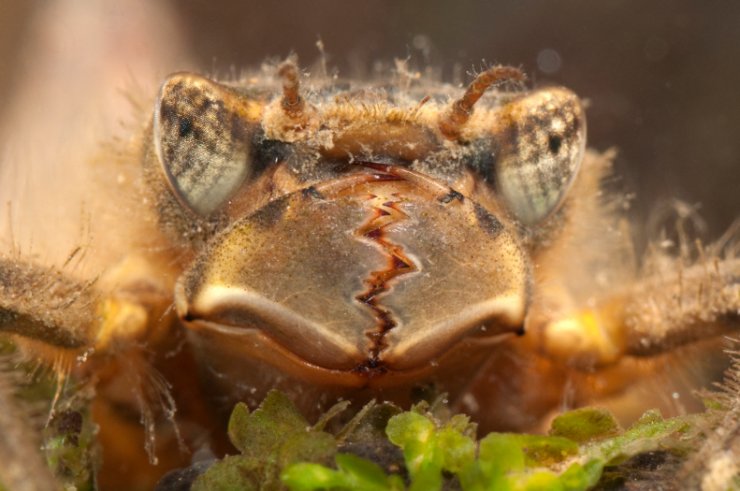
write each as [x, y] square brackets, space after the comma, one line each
[270, 439]
[585, 424]
[427, 448]
[437, 453]
[70, 448]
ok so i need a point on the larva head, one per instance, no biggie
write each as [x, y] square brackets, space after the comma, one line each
[339, 267]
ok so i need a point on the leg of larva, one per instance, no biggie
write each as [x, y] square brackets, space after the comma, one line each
[83, 69]
[651, 317]
[44, 305]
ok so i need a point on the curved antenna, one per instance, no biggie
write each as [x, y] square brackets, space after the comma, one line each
[292, 103]
[452, 121]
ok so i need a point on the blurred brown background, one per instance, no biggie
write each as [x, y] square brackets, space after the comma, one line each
[662, 77]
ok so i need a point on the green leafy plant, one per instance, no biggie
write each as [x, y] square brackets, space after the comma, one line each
[572, 457]
[270, 439]
[384, 448]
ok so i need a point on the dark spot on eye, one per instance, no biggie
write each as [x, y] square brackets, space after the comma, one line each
[576, 124]
[186, 127]
[554, 142]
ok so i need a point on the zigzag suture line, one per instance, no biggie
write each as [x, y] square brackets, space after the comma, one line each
[378, 282]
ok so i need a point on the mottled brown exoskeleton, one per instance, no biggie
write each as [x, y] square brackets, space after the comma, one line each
[344, 240]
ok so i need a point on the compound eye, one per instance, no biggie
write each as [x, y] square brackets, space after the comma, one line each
[540, 141]
[202, 140]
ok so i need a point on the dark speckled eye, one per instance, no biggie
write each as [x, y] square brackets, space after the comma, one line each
[202, 140]
[540, 142]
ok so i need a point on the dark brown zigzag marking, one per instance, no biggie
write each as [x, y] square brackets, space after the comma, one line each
[378, 282]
